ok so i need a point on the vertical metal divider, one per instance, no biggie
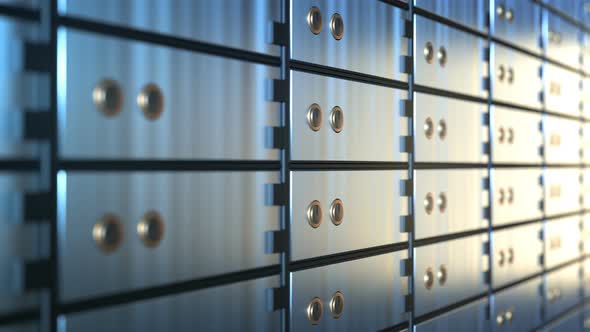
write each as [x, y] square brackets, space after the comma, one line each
[53, 256]
[411, 161]
[490, 245]
[285, 173]
[543, 42]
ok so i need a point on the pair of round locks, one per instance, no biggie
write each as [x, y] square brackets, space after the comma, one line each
[315, 118]
[316, 23]
[108, 98]
[429, 128]
[315, 308]
[315, 212]
[441, 55]
[108, 231]
[441, 275]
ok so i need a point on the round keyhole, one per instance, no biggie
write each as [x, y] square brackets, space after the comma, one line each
[500, 11]
[442, 56]
[314, 20]
[508, 315]
[428, 128]
[151, 101]
[510, 255]
[428, 278]
[501, 134]
[337, 305]
[107, 96]
[441, 275]
[314, 117]
[442, 129]
[501, 73]
[337, 212]
[337, 26]
[510, 198]
[501, 196]
[509, 16]
[314, 214]
[500, 319]
[510, 75]
[108, 233]
[151, 229]
[314, 310]
[510, 137]
[502, 258]
[428, 203]
[428, 52]
[337, 119]
[442, 202]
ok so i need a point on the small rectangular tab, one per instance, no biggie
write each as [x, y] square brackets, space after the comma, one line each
[278, 90]
[486, 54]
[485, 84]
[406, 188]
[37, 275]
[486, 248]
[405, 267]
[541, 259]
[37, 57]
[37, 207]
[406, 64]
[276, 194]
[406, 144]
[487, 277]
[37, 125]
[406, 108]
[486, 212]
[276, 137]
[276, 242]
[408, 303]
[541, 96]
[485, 119]
[278, 33]
[485, 183]
[541, 205]
[276, 298]
[406, 224]
[485, 148]
[408, 29]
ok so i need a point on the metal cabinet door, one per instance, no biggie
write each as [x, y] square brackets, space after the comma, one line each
[23, 89]
[470, 317]
[444, 124]
[355, 35]
[448, 59]
[562, 240]
[143, 229]
[360, 295]
[572, 322]
[339, 211]
[562, 40]
[515, 71]
[449, 272]
[240, 306]
[517, 253]
[467, 12]
[562, 190]
[336, 119]
[518, 308]
[449, 201]
[562, 290]
[240, 25]
[518, 22]
[518, 195]
[516, 136]
[561, 90]
[20, 241]
[562, 140]
[160, 103]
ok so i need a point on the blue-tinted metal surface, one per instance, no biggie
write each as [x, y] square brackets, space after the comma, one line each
[518, 308]
[518, 22]
[472, 13]
[470, 317]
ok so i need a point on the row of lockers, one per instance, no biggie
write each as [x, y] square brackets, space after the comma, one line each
[142, 224]
[373, 297]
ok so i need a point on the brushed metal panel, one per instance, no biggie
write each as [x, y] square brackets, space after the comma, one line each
[215, 222]
[518, 195]
[372, 208]
[566, 283]
[23, 327]
[372, 288]
[585, 143]
[465, 264]
[463, 71]
[562, 240]
[372, 42]
[449, 201]
[523, 146]
[526, 78]
[239, 25]
[564, 47]
[19, 242]
[571, 322]
[470, 317]
[518, 22]
[517, 253]
[523, 302]
[22, 90]
[235, 307]
[372, 121]
[214, 108]
[562, 190]
[442, 124]
[561, 90]
[468, 12]
[572, 8]
[562, 140]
